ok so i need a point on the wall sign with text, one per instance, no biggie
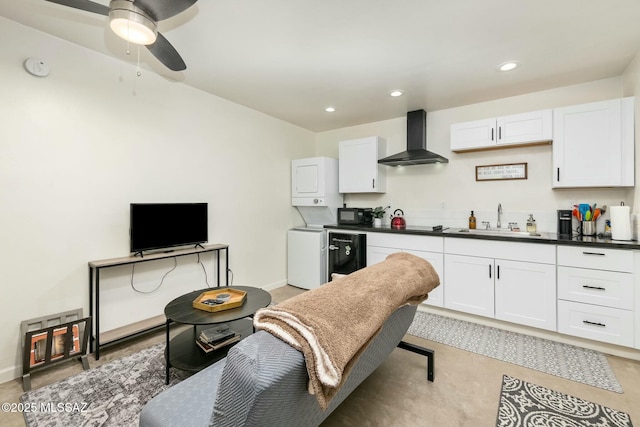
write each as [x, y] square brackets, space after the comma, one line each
[497, 172]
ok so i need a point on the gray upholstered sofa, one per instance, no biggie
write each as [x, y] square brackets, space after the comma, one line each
[263, 382]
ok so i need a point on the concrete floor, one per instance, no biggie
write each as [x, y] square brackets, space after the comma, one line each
[465, 391]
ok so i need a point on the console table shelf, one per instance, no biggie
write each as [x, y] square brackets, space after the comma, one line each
[94, 286]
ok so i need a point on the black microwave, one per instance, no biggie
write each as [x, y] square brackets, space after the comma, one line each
[355, 216]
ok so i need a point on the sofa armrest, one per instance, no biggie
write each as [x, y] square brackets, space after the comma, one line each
[186, 404]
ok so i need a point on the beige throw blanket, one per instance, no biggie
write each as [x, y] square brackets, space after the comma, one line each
[332, 325]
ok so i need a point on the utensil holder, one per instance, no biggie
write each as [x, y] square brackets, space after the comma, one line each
[588, 228]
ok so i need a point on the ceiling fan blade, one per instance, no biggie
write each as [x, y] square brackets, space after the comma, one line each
[163, 9]
[167, 54]
[87, 5]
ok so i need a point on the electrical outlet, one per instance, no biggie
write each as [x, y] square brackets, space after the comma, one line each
[443, 205]
[571, 203]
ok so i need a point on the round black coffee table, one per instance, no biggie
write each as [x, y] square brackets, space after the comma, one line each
[182, 352]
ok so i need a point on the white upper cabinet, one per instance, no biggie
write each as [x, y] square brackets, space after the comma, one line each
[594, 144]
[516, 129]
[359, 171]
[473, 135]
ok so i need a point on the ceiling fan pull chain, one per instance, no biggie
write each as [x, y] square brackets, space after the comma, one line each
[138, 73]
[128, 51]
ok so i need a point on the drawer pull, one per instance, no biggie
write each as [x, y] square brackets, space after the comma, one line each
[593, 323]
[592, 253]
[599, 288]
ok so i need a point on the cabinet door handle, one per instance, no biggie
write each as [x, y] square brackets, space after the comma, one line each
[489, 271]
[599, 288]
[558, 174]
[498, 272]
[593, 323]
[593, 253]
[499, 132]
[373, 183]
[492, 134]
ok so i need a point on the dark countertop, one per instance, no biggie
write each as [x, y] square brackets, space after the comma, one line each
[544, 238]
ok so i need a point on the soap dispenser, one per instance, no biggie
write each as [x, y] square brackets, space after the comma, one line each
[472, 222]
[531, 224]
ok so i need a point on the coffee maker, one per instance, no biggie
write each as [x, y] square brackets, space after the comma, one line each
[564, 223]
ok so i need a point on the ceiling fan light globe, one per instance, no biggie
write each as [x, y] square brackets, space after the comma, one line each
[132, 24]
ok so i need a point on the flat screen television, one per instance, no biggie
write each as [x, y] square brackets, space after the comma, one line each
[166, 225]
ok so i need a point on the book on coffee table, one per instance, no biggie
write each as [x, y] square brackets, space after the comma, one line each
[217, 334]
[208, 347]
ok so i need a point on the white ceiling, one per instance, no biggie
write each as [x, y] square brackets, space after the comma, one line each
[292, 58]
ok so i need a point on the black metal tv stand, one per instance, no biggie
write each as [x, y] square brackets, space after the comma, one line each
[94, 287]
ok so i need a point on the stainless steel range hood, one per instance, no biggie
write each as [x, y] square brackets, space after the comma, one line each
[417, 153]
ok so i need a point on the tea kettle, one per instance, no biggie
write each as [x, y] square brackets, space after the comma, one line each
[398, 221]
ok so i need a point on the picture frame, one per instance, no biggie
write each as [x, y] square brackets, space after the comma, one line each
[506, 171]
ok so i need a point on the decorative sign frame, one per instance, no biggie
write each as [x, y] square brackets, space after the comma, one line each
[500, 172]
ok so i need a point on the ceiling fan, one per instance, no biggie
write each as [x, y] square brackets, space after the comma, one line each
[136, 21]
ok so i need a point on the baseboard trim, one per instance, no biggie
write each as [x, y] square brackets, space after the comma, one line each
[274, 285]
[9, 374]
[268, 287]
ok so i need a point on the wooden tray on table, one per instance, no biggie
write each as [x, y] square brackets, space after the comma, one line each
[220, 299]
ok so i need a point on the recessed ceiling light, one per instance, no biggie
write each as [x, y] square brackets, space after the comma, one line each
[329, 109]
[507, 66]
[396, 93]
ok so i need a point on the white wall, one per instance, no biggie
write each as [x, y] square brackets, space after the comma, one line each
[80, 145]
[631, 86]
[445, 193]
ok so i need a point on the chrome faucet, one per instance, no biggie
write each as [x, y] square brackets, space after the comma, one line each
[498, 225]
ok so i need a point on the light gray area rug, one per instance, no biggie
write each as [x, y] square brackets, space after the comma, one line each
[562, 360]
[524, 404]
[112, 394]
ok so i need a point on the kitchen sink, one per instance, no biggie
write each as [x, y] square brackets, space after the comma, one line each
[501, 232]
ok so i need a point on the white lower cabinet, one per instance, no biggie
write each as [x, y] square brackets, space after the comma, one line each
[520, 287]
[584, 291]
[436, 296]
[595, 322]
[605, 288]
[525, 293]
[596, 294]
[469, 284]
[380, 245]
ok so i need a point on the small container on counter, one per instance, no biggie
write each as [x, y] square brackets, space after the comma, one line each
[588, 228]
[531, 224]
[472, 222]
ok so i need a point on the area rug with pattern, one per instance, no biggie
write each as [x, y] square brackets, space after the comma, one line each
[562, 360]
[523, 404]
[112, 394]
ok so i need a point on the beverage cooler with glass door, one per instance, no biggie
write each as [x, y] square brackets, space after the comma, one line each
[347, 253]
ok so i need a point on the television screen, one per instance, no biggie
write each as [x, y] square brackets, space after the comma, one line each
[163, 225]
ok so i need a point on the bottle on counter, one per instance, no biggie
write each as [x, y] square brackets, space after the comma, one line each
[531, 224]
[472, 222]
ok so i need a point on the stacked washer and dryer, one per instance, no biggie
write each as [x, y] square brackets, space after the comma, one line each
[313, 254]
